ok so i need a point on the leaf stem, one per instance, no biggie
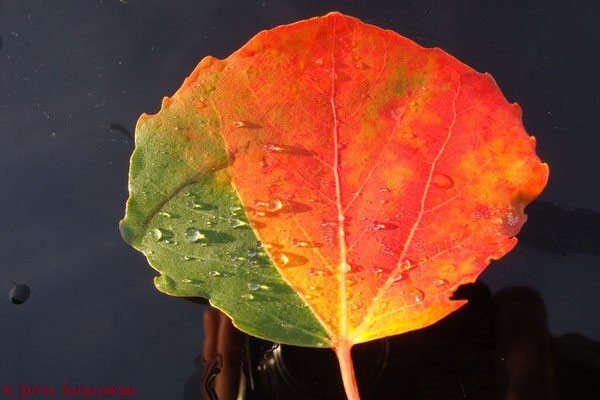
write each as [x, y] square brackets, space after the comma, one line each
[347, 369]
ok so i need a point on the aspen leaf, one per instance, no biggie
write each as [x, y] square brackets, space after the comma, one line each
[330, 183]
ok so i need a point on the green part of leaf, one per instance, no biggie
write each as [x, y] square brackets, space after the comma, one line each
[189, 222]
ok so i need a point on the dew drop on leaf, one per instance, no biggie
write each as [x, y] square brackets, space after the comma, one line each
[186, 280]
[238, 124]
[259, 245]
[192, 205]
[442, 181]
[272, 147]
[165, 214]
[214, 273]
[155, 234]
[377, 226]
[280, 258]
[234, 223]
[193, 235]
[253, 285]
[273, 205]
[439, 282]
[252, 253]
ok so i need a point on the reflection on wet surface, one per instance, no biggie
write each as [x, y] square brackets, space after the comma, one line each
[494, 347]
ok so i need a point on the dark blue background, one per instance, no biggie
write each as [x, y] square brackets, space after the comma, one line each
[69, 69]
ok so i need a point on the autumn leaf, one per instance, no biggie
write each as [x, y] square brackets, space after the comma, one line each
[330, 183]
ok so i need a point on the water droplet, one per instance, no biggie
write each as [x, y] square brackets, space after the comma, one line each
[384, 189]
[252, 253]
[167, 241]
[283, 325]
[247, 296]
[405, 265]
[358, 65]
[397, 278]
[191, 204]
[199, 104]
[377, 226]
[407, 136]
[259, 245]
[155, 234]
[165, 214]
[253, 285]
[186, 258]
[214, 273]
[496, 221]
[193, 235]
[377, 271]
[417, 294]
[233, 257]
[234, 223]
[439, 282]
[350, 282]
[150, 252]
[356, 306]
[324, 222]
[272, 147]
[312, 272]
[346, 267]
[238, 124]
[280, 258]
[186, 280]
[442, 181]
[319, 61]
[273, 205]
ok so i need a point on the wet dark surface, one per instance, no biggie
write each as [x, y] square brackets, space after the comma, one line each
[74, 78]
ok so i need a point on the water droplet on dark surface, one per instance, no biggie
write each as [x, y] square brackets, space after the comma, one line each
[19, 293]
